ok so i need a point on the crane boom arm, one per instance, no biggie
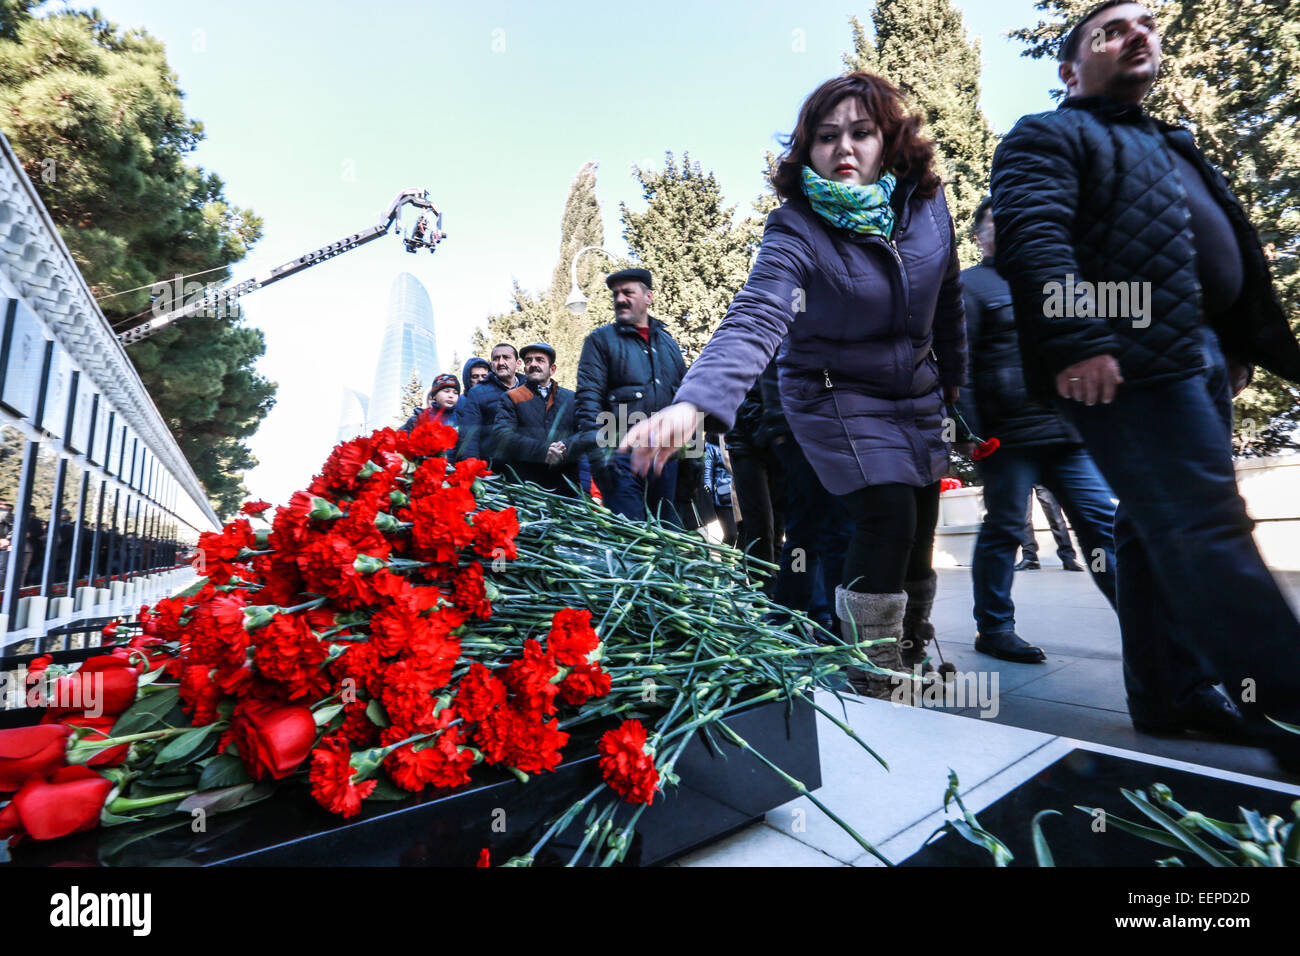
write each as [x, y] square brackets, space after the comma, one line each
[222, 298]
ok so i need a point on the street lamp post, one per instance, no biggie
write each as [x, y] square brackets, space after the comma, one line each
[577, 302]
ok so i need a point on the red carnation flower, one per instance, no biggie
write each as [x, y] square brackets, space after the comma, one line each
[469, 592]
[479, 693]
[484, 859]
[535, 746]
[254, 507]
[494, 533]
[287, 651]
[626, 766]
[441, 762]
[199, 694]
[529, 680]
[984, 449]
[583, 683]
[430, 437]
[571, 637]
[331, 779]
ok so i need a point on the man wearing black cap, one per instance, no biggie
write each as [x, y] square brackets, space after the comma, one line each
[533, 432]
[629, 370]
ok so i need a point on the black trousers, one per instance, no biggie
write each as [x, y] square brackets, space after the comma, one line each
[757, 479]
[893, 536]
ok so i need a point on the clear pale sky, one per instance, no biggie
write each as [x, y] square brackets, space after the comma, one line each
[317, 114]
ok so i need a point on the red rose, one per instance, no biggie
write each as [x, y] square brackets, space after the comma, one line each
[104, 684]
[625, 765]
[69, 802]
[107, 757]
[273, 740]
[30, 752]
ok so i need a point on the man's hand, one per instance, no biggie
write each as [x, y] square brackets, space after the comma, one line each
[1090, 380]
[950, 393]
[555, 454]
[656, 440]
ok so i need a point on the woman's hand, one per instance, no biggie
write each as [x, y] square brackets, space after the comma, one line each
[656, 440]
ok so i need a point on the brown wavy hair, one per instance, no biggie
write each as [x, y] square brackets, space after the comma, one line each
[906, 152]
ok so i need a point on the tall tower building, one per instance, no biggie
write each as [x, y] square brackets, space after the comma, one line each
[409, 345]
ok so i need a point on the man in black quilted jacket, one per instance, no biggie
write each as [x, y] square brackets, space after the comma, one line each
[628, 370]
[1142, 301]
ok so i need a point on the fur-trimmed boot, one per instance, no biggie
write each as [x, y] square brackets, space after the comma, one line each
[873, 617]
[917, 629]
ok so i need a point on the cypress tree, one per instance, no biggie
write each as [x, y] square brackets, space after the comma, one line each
[920, 46]
[686, 238]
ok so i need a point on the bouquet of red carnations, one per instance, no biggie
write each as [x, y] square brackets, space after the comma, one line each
[401, 621]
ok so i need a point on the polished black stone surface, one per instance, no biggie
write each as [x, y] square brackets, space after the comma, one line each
[1090, 779]
[719, 792]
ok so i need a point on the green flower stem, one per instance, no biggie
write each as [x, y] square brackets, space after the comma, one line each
[124, 805]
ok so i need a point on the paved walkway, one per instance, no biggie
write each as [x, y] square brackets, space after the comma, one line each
[1075, 699]
[1079, 690]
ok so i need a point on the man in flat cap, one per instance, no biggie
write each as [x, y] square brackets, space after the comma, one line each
[629, 370]
[533, 431]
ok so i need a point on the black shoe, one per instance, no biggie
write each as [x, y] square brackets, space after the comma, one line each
[1206, 712]
[1007, 646]
[1029, 564]
[1069, 564]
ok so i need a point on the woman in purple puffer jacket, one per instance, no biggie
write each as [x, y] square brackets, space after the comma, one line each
[856, 290]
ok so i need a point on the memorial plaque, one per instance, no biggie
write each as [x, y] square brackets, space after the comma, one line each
[58, 391]
[24, 358]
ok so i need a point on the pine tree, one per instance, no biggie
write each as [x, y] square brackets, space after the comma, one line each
[412, 398]
[96, 119]
[1230, 72]
[697, 257]
[920, 46]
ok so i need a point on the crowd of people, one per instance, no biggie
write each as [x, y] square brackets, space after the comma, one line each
[819, 414]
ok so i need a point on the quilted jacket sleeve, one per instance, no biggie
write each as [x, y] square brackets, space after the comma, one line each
[758, 319]
[1035, 186]
[593, 375]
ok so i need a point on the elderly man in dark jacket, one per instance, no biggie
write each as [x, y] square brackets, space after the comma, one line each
[1036, 444]
[629, 370]
[478, 406]
[534, 433]
[1134, 271]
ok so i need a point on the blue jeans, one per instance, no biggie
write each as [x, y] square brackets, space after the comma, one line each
[625, 492]
[1195, 599]
[1009, 477]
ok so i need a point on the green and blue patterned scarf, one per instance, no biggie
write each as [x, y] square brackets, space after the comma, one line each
[861, 209]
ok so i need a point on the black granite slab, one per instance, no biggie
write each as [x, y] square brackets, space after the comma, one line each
[1090, 779]
[720, 791]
